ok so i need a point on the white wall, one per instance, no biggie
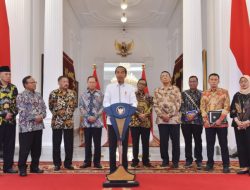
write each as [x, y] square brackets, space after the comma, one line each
[157, 47]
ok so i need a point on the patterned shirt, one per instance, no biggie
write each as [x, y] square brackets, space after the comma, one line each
[213, 100]
[188, 105]
[145, 104]
[167, 101]
[30, 105]
[91, 105]
[240, 108]
[8, 96]
[62, 106]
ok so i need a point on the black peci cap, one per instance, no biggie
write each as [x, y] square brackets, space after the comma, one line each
[4, 69]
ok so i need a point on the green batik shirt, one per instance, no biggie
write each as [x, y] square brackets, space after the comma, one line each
[145, 104]
[8, 96]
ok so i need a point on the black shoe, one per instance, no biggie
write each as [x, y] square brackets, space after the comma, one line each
[148, 165]
[99, 166]
[85, 165]
[226, 170]
[69, 167]
[134, 165]
[175, 165]
[37, 171]
[234, 155]
[188, 165]
[10, 171]
[243, 172]
[57, 168]
[209, 168]
[199, 165]
[23, 173]
[164, 165]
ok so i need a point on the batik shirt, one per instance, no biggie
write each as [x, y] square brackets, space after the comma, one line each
[91, 105]
[8, 96]
[144, 106]
[240, 108]
[168, 101]
[30, 105]
[62, 106]
[213, 100]
[188, 105]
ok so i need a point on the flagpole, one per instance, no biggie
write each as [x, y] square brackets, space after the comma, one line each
[155, 141]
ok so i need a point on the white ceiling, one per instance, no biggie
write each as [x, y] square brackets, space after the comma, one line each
[107, 13]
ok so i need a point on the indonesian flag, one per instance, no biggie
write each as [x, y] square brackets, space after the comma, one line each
[240, 35]
[104, 139]
[237, 48]
[4, 36]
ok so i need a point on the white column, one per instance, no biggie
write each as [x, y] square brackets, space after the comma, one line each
[192, 42]
[53, 55]
[37, 36]
[19, 16]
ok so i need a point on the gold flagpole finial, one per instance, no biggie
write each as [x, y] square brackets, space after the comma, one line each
[94, 66]
[143, 66]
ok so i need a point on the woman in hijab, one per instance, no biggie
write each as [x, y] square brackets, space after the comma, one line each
[240, 113]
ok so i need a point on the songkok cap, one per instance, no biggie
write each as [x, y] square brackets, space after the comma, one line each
[4, 69]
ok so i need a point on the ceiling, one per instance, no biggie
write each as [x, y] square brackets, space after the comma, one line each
[107, 13]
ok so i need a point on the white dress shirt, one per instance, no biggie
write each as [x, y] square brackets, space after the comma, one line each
[116, 93]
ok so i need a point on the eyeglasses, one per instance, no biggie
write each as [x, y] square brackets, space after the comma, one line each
[144, 84]
[33, 82]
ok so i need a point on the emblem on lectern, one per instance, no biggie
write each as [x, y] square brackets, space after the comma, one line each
[120, 110]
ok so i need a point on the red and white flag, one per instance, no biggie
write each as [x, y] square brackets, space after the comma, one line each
[240, 35]
[104, 136]
[4, 36]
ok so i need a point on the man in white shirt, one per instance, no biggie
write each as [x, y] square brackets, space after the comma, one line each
[118, 93]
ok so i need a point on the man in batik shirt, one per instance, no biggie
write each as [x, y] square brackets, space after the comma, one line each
[62, 104]
[8, 112]
[216, 99]
[32, 111]
[140, 124]
[167, 103]
[192, 124]
[91, 110]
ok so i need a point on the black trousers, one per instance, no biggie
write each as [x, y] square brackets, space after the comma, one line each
[144, 133]
[95, 134]
[68, 146]
[222, 136]
[7, 141]
[172, 131]
[195, 131]
[112, 149]
[243, 146]
[30, 142]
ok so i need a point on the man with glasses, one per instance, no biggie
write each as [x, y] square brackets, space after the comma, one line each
[167, 103]
[32, 111]
[91, 109]
[140, 124]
